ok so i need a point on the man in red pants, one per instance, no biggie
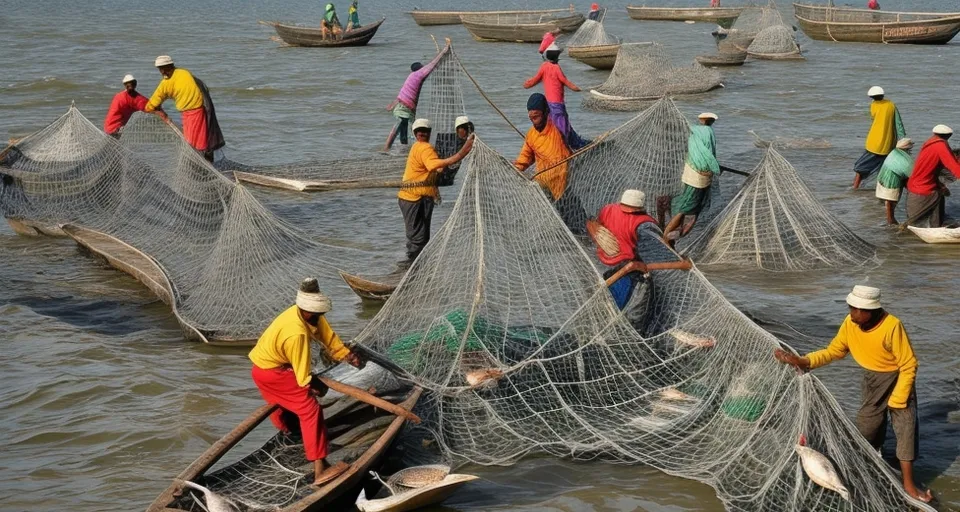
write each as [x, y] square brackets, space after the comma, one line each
[281, 370]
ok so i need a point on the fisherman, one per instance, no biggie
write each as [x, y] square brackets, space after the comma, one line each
[880, 345]
[594, 13]
[554, 82]
[353, 17]
[330, 24]
[544, 145]
[180, 85]
[714, 3]
[419, 190]
[926, 195]
[405, 106]
[548, 39]
[893, 175]
[873, 5]
[281, 370]
[886, 130]
[124, 104]
[463, 128]
[637, 243]
[698, 171]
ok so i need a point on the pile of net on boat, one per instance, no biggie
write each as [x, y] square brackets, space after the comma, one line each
[761, 32]
[441, 101]
[591, 33]
[643, 73]
[776, 223]
[232, 263]
[506, 323]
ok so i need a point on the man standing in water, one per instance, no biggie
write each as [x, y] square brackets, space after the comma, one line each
[545, 146]
[178, 84]
[698, 171]
[886, 130]
[124, 104]
[926, 195]
[281, 370]
[879, 344]
[404, 108]
[554, 82]
[893, 174]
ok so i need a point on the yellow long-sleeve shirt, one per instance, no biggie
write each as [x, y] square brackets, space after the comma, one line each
[181, 87]
[287, 342]
[885, 348]
[886, 129]
[421, 163]
[546, 148]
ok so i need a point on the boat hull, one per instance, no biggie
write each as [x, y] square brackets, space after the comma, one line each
[861, 26]
[723, 16]
[296, 35]
[518, 29]
[431, 18]
[597, 57]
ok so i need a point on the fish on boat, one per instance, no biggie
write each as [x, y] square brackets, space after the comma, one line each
[415, 487]
[277, 476]
[299, 35]
[846, 24]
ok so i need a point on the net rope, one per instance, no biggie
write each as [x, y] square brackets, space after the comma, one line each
[232, 262]
[591, 33]
[642, 74]
[505, 322]
[441, 101]
[776, 223]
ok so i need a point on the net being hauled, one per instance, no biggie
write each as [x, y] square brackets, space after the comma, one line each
[591, 33]
[752, 21]
[643, 74]
[776, 223]
[232, 263]
[441, 101]
[507, 325]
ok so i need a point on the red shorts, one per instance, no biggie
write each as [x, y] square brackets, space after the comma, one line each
[195, 128]
[279, 386]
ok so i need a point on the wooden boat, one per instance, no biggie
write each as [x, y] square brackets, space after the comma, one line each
[598, 57]
[430, 485]
[723, 59]
[29, 227]
[307, 185]
[359, 434]
[143, 268]
[723, 16]
[519, 28]
[379, 290]
[795, 55]
[298, 35]
[826, 23]
[428, 18]
[944, 235]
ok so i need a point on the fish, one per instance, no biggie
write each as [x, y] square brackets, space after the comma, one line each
[485, 377]
[820, 470]
[215, 502]
[419, 476]
[693, 340]
[675, 394]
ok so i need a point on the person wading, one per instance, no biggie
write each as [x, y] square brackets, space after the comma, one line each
[281, 370]
[926, 194]
[404, 108]
[554, 82]
[544, 145]
[880, 345]
[419, 191]
[698, 171]
[199, 119]
[887, 128]
[893, 175]
[124, 104]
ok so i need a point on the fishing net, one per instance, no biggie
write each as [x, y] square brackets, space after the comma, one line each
[507, 325]
[591, 33]
[774, 42]
[643, 73]
[776, 223]
[233, 264]
[749, 24]
[441, 101]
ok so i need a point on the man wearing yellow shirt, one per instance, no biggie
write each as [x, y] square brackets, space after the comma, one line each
[886, 130]
[281, 370]
[544, 145]
[880, 345]
[178, 84]
[419, 189]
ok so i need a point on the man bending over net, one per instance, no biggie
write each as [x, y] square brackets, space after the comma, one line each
[281, 370]
[404, 108]
[544, 145]
[880, 345]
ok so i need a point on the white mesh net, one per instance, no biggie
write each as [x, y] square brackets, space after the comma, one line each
[748, 25]
[591, 33]
[511, 330]
[643, 73]
[776, 223]
[149, 189]
[775, 42]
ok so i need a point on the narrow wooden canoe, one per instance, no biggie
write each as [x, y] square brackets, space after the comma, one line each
[723, 59]
[518, 28]
[723, 16]
[777, 56]
[428, 18]
[844, 24]
[298, 35]
[378, 290]
[308, 185]
[944, 235]
[358, 435]
[598, 57]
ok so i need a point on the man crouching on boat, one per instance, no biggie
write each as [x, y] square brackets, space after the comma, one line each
[281, 370]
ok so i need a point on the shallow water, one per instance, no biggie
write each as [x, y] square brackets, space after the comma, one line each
[103, 402]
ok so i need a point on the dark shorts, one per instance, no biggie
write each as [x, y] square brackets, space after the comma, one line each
[416, 220]
[872, 417]
[925, 210]
[868, 164]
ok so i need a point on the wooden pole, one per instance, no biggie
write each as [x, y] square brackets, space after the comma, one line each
[487, 98]
[375, 401]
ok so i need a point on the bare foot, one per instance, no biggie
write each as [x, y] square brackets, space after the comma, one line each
[924, 496]
[331, 473]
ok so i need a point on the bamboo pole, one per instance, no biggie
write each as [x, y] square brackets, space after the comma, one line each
[375, 401]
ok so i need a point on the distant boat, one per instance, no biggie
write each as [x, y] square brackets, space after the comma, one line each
[828, 23]
[299, 35]
[518, 28]
[602, 56]
[723, 16]
[427, 18]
